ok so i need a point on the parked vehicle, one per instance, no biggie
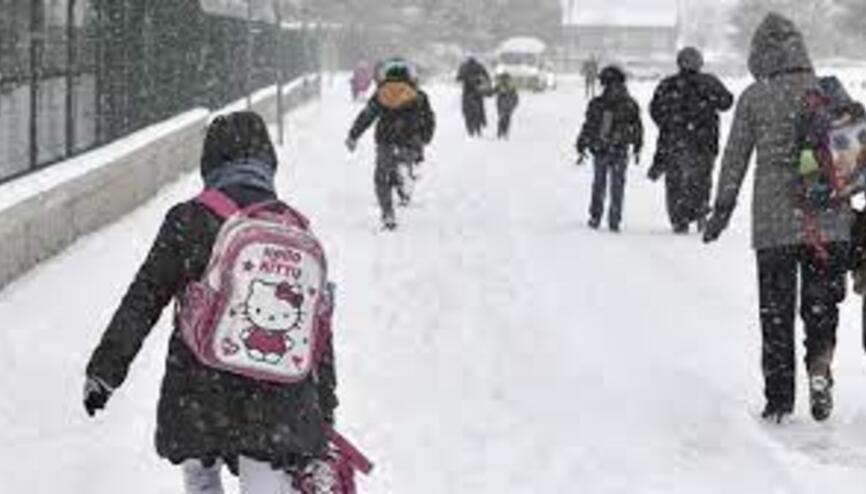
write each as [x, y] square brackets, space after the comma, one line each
[526, 60]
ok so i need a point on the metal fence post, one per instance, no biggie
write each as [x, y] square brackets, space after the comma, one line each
[278, 54]
[37, 42]
[250, 63]
[99, 72]
[71, 68]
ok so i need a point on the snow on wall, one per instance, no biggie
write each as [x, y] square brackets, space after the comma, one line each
[41, 214]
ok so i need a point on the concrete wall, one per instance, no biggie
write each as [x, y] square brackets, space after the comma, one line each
[43, 213]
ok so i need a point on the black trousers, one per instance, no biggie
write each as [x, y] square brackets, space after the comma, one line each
[504, 123]
[386, 178]
[390, 177]
[474, 113]
[612, 165]
[822, 287]
[688, 184]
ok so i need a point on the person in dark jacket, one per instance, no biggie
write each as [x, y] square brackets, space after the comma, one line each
[589, 70]
[207, 417]
[507, 100]
[476, 85]
[612, 126]
[686, 109]
[406, 123]
[766, 120]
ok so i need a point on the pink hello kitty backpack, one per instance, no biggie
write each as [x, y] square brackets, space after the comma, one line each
[263, 307]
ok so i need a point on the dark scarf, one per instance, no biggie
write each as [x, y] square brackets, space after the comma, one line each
[248, 172]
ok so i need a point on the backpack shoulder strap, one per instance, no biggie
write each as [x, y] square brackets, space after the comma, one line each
[218, 203]
[296, 219]
[351, 454]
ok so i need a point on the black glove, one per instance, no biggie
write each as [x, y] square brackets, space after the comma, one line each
[96, 395]
[717, 223]
[581, 159]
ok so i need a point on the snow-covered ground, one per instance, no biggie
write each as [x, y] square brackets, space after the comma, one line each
[493, 345]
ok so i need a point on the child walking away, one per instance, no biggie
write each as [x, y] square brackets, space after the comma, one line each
[612, 126]
[799, 249]
[249, 380]
[507, 100]
[406, 123]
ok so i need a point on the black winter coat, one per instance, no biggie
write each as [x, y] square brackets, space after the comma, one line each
[405, 117]
[507, 99]
[204, 413]
[686, 109]
[612, 124]
[475, 79]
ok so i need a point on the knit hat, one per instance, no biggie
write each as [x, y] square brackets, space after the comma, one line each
[611, 75]
[690, 59]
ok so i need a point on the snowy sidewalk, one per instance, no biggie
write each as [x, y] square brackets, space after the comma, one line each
[494, 344]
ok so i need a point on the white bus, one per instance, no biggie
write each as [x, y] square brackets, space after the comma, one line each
[526, 60]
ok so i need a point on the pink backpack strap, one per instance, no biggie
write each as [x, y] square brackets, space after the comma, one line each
[351, 454]
[218, 203]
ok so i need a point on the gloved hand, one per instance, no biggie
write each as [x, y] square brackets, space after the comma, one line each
[717, 223]
[581, 158]
[351, 144]
[96, 395]
[636, 158]
[653, 174]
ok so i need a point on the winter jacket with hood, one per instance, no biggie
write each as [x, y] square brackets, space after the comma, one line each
[474, 77]
[767, 119]
[613, 121]
[204, 413]
[405, 117]
[686, 108]
[507, 97]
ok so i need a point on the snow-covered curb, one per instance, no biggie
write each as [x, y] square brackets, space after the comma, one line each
[41, 214]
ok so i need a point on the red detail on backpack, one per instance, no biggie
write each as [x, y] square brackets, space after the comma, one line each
[834, 129]
[335, 473]
[262, 308]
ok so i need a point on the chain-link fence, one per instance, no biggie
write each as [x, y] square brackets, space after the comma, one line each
[75, 74]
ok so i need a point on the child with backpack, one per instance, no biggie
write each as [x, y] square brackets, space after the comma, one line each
[249, 380]
[507, 100]
[406, 124]
[612, 127]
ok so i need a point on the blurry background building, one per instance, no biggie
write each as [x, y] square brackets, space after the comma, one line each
[625, 31]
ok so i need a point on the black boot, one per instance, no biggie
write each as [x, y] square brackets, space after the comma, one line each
[821, 397]
[776, 411]
[821, 386]
[681, 229]
[389, 221]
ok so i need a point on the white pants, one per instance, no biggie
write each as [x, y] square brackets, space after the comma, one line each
[255, 478]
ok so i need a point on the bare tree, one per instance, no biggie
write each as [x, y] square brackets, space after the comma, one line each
[816, 19]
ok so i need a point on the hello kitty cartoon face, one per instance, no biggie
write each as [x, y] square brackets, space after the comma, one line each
[274, 306]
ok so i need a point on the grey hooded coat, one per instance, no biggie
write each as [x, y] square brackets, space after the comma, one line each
[766, 120]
